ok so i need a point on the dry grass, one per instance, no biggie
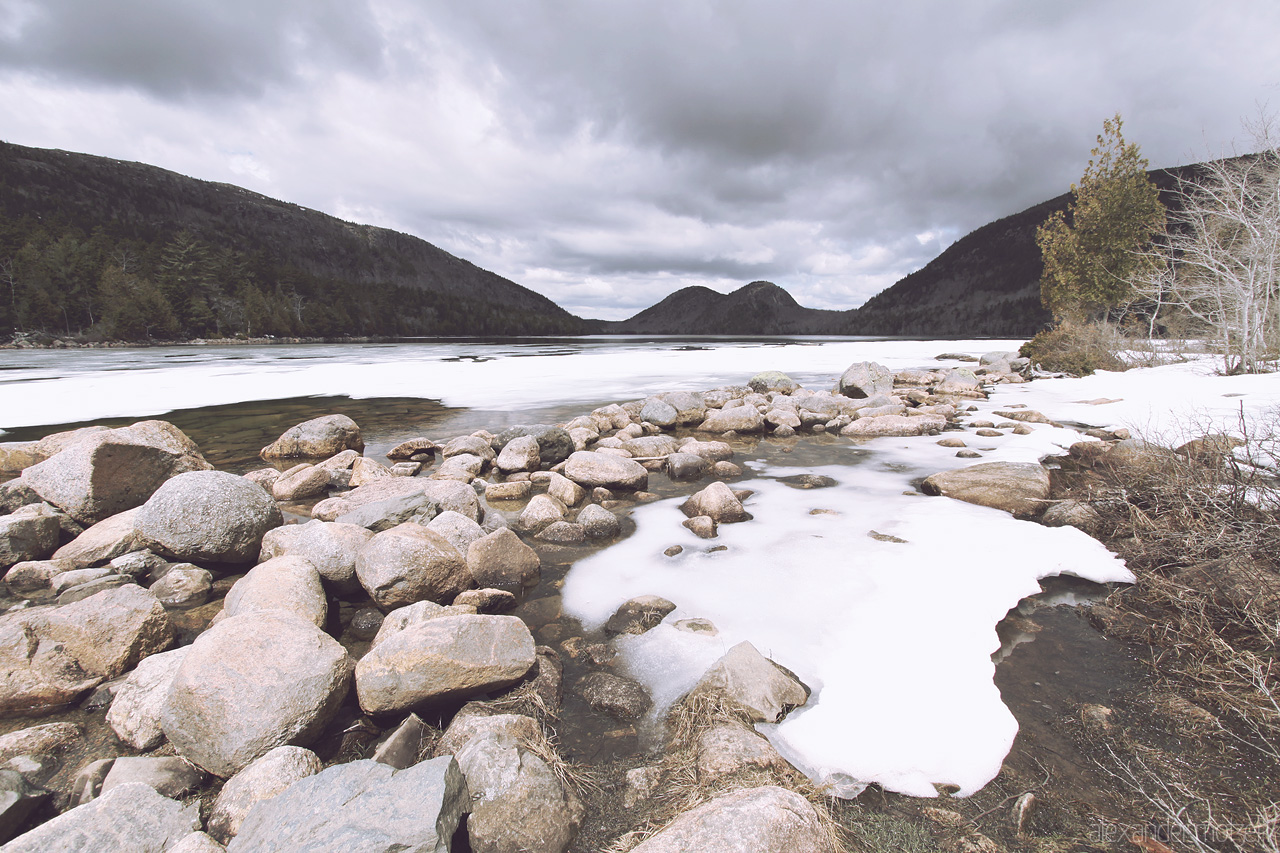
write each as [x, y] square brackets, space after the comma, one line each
[1200, 528]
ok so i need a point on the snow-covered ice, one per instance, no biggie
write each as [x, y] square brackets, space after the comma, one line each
[64, 386]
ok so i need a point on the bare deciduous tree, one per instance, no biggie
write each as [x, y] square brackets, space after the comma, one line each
[1220, 262]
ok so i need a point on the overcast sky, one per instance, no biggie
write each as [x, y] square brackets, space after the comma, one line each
[608, 153]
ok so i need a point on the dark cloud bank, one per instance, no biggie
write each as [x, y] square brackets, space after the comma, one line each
[607, 154]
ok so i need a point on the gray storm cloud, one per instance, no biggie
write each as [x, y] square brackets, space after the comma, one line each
[607, 154]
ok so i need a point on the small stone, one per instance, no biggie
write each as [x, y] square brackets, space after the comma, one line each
[638, 615]
[703, 526]
[365, 623]
[614, 695]
[563, 533]
[674, 550]
[517, 490]
[725, 471]
[598, 523]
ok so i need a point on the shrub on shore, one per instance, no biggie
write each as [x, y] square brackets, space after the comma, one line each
[1078, 349]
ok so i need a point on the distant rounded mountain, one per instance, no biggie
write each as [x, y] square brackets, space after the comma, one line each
[759, 308]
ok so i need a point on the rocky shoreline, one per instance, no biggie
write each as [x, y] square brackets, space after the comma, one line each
[359, 681]
[44, 340]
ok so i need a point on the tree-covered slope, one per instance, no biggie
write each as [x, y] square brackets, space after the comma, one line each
[100, 246]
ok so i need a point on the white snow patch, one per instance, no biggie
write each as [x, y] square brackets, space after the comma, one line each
[1168, 404]
[894, 639]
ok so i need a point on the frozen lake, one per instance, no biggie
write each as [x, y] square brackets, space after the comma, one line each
[895, 638]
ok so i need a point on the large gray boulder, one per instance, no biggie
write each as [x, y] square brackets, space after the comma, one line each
[301, 482]
[342, 507]
[520, 454]
[110, 538]
[598, 523]
[109, 471]
[383, 504]
[753, 682]
[501, 560]
[36, 575]
[411, 563]
[1021, 488]
[37, 676]
[659, 412]
[541, 511]
[455, 527]
[518, 803]
[129, 817]
[690, 406]
[554, 443]
[589, 468]
[289, 583]
[651, 445]
[894, 425]
[736, 419]
[44, 739]
[183, 586]
[252, 683]
[168, 775]
[266, 777]
[716, 501]
[445, 658]
[331, 547]
[208, 516]
[731, 748]
[361, 807]
[772, 380]
[866, 379]
[751, 820]
[134, 714]
[959, 380]
[110, 631]
[318, 438]
[29, 533]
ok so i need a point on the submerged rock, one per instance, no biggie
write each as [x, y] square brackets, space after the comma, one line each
[619, 697]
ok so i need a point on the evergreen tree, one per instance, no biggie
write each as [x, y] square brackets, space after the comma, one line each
[1094, 251]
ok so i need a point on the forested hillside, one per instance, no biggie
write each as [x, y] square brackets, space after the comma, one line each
[103, 248]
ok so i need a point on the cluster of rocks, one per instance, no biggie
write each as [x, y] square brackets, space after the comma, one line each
[116, 537]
